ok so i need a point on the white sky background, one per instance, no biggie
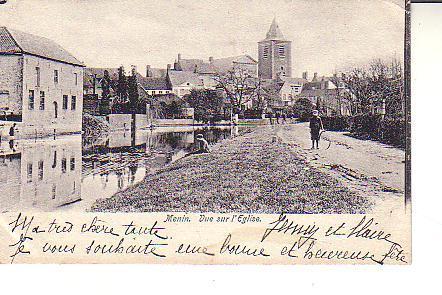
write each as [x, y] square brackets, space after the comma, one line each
[326, 34]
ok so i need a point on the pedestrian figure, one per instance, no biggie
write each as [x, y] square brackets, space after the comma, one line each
[284, 117]
[277, 117]
[315, 128]
[271, 118]
[203, 144]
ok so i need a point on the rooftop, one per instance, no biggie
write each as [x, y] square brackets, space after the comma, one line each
[149, 83]
[14, 41]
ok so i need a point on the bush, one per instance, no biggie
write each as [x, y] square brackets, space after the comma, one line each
[393, 132]
[251, 114]
[338, 123]
[302, 109]
[366, 126]
[390, 130]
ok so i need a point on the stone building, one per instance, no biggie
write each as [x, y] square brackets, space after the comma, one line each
[41, 86]
[274, 55]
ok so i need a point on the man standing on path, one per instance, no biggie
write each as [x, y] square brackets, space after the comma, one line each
[315, 128]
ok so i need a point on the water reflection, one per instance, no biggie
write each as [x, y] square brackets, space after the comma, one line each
[41, 174]
[70, 173]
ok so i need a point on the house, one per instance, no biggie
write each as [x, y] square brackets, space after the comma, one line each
[290, 89]
[217, 66]
[155, 86]
[93, 77]
[41, 86]
[327, 94]
[182, 82]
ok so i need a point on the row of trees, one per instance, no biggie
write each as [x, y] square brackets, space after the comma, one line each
[123, 92]
[376, 88]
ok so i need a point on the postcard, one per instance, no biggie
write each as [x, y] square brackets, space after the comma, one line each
[205, 132]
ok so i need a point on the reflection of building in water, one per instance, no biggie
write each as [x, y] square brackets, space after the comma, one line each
[43, 174]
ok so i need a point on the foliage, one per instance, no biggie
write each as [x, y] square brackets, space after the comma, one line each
[206, 103]
[135, 105]
[389, 130]
[168, 107]
[336, 123]
[302, 108]
[106, 85]
[370, 88]
[239, 86]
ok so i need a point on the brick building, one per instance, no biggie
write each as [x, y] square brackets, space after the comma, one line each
[41, 86]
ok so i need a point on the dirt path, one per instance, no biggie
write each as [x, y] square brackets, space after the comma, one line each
[367, 167]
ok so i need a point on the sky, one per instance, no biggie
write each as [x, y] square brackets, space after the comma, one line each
[326, 35]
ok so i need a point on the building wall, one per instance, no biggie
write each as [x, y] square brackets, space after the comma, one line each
[70, 83]
[11, 83]
[271, 62]
[252, 69]
[156, 92]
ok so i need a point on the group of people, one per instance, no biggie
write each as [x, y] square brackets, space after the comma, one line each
[278, 117]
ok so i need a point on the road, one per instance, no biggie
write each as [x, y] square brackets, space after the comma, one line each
[367, 167]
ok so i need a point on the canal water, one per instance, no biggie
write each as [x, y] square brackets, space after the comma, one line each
[69, 173]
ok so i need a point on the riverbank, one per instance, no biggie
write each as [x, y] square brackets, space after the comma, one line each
[248, 173]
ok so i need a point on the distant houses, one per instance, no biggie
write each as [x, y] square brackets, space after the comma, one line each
[41, 86]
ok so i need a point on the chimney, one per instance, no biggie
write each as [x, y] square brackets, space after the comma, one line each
[148, 71]
[305, 75]
[168, 67]
[315, 77]
[195, 70]
[133, 69]
[179, 57]
[211, 59]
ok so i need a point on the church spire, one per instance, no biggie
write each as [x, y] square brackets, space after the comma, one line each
[274, 32]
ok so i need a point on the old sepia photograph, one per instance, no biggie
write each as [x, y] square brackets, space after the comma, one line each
[205, 107]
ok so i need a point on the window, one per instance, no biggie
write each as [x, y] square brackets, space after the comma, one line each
[40, 170]
[160, 92]
[76, 78]
[54, 191]
[65, 102]
[54, 160]
[281, 51]
[42, 100]
[265, 52]
[63, 165]
[55, 76]
[72, 164]
[153, 92]
[73, 102]
[37, 73]
[29, 170]
[31, 100]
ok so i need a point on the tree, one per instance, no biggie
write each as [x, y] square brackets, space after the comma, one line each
[372, 87]
[106, 85]
[122, 85]
[206, 103]
[239, 87]
[302, 108]
[132, 91]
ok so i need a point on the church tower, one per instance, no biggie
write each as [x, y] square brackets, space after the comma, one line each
[275, 54]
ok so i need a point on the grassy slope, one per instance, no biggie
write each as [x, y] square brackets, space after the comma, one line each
[243, 174]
